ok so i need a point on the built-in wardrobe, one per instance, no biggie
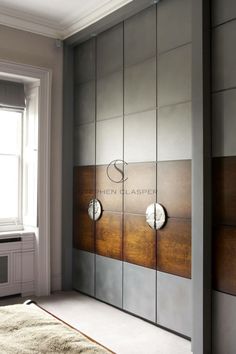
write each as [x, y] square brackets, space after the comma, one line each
[132, 149]
[150, 107]
[224, 175]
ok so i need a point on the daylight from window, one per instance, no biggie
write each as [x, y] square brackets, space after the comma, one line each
[10, 166]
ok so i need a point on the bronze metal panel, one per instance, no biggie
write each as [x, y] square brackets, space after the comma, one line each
[174, 187]
[224, 259]
[83, 231]
[84, 186]
[108, 192]
[109, 235]
[139, 241]
[140, 187]
[224, 190]
[174, 248]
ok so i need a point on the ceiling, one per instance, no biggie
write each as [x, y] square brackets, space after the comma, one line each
[55, 18]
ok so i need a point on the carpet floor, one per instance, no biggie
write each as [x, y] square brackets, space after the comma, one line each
[119, 331]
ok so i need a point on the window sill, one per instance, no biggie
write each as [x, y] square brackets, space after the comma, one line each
[18, 233]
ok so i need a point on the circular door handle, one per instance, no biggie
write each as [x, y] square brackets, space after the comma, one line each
[155, 216]
[94, 209]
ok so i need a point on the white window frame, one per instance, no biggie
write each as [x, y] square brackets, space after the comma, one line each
[29, 216]
[12, 224]
[44, 77]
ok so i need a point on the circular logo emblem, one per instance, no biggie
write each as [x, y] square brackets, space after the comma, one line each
[94, 209]
[115, 171]
[155, 216]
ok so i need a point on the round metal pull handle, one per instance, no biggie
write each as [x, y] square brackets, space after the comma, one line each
[94, 209]
[155, 216]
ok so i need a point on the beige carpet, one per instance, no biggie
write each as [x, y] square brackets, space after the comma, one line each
[26, 329]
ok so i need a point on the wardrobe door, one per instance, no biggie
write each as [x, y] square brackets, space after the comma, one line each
[84, 167]
[139, 243]
[174, 145]
[109, 147]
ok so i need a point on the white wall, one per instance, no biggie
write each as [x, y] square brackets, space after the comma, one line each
[28, 48]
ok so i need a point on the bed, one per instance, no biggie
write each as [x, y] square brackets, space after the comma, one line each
[29, 329]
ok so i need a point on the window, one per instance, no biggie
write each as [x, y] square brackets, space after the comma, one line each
[18, 155]
[11, 162]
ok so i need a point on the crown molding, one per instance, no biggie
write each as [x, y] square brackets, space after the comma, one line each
[91, 17]
[25, 22]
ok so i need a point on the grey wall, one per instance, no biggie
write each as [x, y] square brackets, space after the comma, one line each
[28, 48]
